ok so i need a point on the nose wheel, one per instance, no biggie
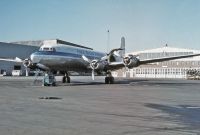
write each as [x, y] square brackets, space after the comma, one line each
[109, 79]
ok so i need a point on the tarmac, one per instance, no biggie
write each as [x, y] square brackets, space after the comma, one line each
[86, 107]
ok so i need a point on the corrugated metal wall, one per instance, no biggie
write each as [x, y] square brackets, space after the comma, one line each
[9, 50]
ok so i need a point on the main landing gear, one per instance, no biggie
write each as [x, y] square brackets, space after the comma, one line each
[66, 78]
[109, 79]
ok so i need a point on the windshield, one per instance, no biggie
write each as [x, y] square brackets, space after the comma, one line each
[51, 49]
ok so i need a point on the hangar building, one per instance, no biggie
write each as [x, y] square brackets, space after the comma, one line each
[13, 50]
[22, 50]
[168, 69]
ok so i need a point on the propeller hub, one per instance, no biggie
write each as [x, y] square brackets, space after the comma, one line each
[94, 64]
[126, 60]
[27, 63]
[131, 61]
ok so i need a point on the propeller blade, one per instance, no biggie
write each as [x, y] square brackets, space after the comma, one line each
[93, 74]
[116, 53]
[90, 62]
[114, 50]
[86, 59]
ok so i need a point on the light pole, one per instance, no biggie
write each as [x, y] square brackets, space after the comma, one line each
[108, 41]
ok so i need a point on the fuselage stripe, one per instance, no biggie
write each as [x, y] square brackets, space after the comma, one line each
[43, 53]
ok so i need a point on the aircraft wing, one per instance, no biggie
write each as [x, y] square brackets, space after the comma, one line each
[12, 60]
[166, 59]
[27, 63]
[119, 65]
[115, 65]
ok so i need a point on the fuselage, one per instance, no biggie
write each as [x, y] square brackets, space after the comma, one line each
[64, 58]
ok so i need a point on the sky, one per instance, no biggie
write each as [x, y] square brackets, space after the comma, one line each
[145, 24]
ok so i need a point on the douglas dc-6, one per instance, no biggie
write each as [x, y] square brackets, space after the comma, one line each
[67, 58]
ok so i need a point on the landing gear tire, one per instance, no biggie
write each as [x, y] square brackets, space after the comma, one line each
[54, 84]
[68, 79]
[109, 80]
[64, 79]
[106, 80]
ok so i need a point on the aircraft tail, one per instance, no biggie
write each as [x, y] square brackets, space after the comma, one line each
[122, 52]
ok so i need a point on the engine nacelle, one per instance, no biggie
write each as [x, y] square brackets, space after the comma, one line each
[97, 65]
[131, 61]
[29, 64]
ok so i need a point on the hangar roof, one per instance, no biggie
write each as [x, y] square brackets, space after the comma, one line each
[16, 44]
[166, 49]
[50, 42]
[31, 43]
[173, 51]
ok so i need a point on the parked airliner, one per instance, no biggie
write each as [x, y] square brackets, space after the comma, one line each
[66, 58]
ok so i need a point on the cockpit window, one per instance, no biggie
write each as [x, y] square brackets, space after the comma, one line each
[50, 49]
[45, 49]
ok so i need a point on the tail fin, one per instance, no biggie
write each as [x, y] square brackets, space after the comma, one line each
[122, 52]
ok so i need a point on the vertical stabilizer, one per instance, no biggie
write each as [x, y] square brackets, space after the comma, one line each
[122, 52]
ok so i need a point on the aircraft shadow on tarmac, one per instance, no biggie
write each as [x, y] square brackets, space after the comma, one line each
[137, 82]
[124, 81]
[78, 83]
[186, 114]
[131, 82]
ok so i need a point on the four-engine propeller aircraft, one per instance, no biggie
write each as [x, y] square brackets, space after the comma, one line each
[66, 58]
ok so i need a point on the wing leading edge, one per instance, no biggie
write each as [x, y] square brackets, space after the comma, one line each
[166, 59]
[18, 60]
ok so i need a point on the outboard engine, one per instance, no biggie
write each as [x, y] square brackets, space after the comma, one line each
[131, 61]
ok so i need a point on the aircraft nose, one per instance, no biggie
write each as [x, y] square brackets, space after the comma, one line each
[34, 58]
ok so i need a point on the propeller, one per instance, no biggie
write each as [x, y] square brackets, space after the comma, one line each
[131, 61]
[93, 64]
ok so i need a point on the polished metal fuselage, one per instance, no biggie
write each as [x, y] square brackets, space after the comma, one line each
[65, 58]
